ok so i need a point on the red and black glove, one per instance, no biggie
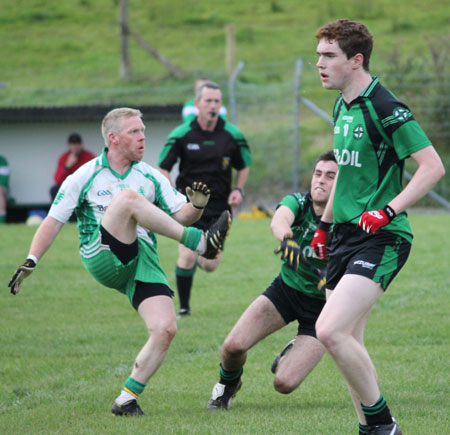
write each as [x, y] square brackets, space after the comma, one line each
[319, 240]
[372, 221]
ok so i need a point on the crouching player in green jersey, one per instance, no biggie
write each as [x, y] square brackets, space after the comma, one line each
[373, 134]
[295, 294]
[120, 203]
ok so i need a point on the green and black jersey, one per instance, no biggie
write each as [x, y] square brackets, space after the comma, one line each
[372, 137]
[206, 156]
[303, 228]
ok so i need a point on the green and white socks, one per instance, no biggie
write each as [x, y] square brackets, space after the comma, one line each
[131, 391]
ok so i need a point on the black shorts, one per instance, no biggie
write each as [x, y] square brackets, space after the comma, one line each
[211, 213]
[146, 290]
[123, 251]
[378, 256]
[295, 305]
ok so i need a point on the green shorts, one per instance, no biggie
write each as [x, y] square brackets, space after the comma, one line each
[106, 267]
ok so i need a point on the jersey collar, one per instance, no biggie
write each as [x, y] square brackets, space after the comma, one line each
[103, 161]
[366, 93]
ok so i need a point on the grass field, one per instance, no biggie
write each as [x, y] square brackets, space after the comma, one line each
[67, 345]
[68, 52]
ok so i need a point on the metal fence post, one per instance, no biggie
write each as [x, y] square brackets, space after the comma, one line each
[232, 93]
[296, 148]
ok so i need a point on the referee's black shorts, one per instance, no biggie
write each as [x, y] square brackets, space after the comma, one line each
[378, 256]
[294, 305]
[211, 213]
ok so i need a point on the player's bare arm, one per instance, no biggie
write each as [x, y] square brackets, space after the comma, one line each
[281, 222]
[235, 198]
[42, 240]
[430, 170]
[45, 236]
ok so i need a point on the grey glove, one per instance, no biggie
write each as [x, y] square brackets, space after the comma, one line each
[198, 194]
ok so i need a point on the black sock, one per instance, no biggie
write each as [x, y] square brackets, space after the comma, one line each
[184, 285]
[378, 413]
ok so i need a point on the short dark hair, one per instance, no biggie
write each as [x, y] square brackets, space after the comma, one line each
[74, 138]
[352, 37]
[209, 85]
[326, 157]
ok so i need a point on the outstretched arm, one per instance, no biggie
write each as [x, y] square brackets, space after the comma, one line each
[281, 222]
[42, 240]
[44, 236]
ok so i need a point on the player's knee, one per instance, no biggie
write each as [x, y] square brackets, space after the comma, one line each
[164, 331]
[327, 336]
[283, 385]
[209, 266]
[233, 346]
[125, 200]
[127, 196]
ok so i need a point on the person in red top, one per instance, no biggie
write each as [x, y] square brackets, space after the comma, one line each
[70, 161]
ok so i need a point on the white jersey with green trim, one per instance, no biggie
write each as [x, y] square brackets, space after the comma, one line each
[90, 190]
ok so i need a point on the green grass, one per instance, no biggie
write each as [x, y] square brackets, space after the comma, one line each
[67, 52]
[63, 53]
[68, 344]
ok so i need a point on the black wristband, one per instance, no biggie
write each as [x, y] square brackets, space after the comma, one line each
[197, 207]
[29, 262]
[241, 191]
[325, 226]
[390, 213]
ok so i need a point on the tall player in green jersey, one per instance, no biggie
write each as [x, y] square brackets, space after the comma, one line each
[373, 134]
[293, 295]
[120, 203]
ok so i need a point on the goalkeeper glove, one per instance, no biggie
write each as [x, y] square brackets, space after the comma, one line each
[372, 221]
[319, 240]
[290, 251]
[21, 273]
[198, 194]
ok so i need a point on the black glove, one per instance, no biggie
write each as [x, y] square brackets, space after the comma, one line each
[198, 194]
[290, 251]
[21, 273]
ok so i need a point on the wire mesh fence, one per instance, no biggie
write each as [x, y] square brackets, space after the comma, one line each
[285, 139]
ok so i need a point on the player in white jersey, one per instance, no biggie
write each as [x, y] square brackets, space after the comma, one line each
[120, 203]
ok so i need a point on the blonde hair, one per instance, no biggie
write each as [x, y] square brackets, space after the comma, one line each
[112, 122]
